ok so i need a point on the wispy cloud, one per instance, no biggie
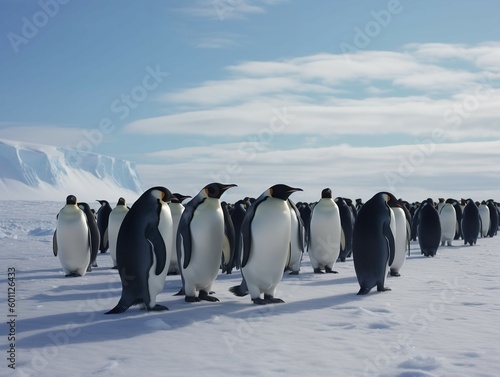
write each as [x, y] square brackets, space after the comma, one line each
[412, 92]
[227, 9]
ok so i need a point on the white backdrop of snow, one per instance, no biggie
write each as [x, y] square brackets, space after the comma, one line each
[440, 319]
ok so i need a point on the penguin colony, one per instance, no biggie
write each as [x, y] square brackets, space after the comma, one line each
[263, 237]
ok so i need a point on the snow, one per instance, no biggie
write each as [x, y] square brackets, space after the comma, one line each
[440, 319]
[42, 172]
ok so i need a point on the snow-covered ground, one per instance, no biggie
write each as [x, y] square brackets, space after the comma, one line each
[440, 319]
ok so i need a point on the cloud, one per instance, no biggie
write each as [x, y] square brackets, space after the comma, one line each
[409, 171]
[228, 9]
[412, 92]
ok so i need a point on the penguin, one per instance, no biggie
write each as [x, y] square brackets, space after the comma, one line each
[415, 220]
[494, 218]
[484, 215]
[115, 220]
[265, 242]
[326, 237]
[441, 202]
[347, 223]
[402, 234]
[200, 239]
[176, 209]
[72, 241]
[94, 234]
[102, 223]
[228, 245]
[470, 223]
[305, 215]
[448, 220]
[297, 239]
[458, 213]
[429, 229]
[141, 251]
[237, 215]
[373, 245]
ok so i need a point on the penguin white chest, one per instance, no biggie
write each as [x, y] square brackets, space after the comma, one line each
[207, 235]
[270, 243]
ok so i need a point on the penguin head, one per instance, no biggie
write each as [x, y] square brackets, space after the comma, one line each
[281, 191]
[390, 199]
[180, 198]
[121, 202]
[71, 199]
[326, 193]
[215, 190]
[102, 202]
[83, 206]
[161, 193]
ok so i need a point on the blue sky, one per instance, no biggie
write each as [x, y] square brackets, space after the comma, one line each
[359, 96]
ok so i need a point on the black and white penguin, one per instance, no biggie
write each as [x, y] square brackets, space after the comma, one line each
[326, 237]
[494, 218]
[402, 233]
[484, 215]
[373, 244]
[94, 234]
[237, 215]
[200, 239]
[265, 242]
[102, 223]
[429, 229]
[141, 251]
[115, 221]
[229, 244]
[72, 241]
[176, 209]
[448, 220]
[297, 240]
[347, 223]
[470, 223]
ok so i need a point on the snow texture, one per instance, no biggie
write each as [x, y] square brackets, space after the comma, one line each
[440, 319]
[41, 172]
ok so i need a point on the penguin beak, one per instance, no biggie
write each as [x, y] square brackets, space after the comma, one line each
[295, 189]
[228, 186]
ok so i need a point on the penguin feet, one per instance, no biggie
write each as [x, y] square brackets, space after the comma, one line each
[328, 270]
[89, 268]
[158, 308]
[363, 291]
[191, 299]
[383, 289]
[94, 264]
[203, 295]
[395, 273]
[114, 268]
[259, 301]
[318, 271]
[72, 275]
[294, 273]
[272, 300]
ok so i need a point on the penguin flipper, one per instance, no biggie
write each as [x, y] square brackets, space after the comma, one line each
[157, 247]
[390, 242]
[54, 243]
[229, 239]
[184, 236]
[246, 231]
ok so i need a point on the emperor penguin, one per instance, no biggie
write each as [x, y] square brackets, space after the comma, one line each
[115, 221]
[228, 244]
[94, 234]
[176, 209]
[265, 242]
[141, 250]
[429, 229]
[373, 245]
[484, 214]
[72, 240]
[448, 219]
[102, 223]
[494, 218]
[326, 236]
[297, 240]
[237, 215]
[200, 239]
[470, 223]
[402, 234]
[347, 223]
